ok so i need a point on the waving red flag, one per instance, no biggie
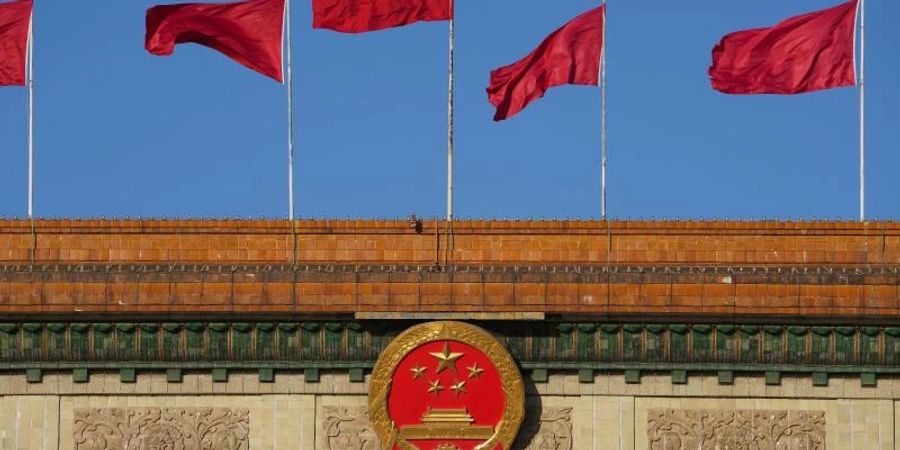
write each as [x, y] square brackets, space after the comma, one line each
[248, 32]
[571, 55]
[358, 16]
[804, 53]
[15, 20]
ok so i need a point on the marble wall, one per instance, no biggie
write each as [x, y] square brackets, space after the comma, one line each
[331, 415]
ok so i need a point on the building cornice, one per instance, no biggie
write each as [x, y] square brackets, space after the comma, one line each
[585, 347]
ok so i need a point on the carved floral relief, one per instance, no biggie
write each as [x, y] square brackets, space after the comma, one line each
[551, 431]
[161, 428]
[702, 429]
[347, 429]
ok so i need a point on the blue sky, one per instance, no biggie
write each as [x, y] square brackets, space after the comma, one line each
[124, 133]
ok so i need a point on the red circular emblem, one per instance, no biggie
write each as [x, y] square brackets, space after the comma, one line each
[446, 386]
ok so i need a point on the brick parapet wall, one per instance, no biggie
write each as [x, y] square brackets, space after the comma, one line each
[473, 242]
[778, 269]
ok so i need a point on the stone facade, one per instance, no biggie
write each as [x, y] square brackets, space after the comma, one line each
[248, 335]
[562, 414]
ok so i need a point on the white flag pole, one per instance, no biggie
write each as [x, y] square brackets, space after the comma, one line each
[450, 115]
[603, 116]
[862, 110]
[30, 57]
[289, 81]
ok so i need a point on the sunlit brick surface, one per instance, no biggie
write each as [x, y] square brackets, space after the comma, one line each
[628, 267]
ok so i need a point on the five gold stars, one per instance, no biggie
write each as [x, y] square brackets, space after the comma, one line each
[446, 360]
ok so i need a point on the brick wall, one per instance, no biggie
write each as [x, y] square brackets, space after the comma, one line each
[475, 242]
[629, 267]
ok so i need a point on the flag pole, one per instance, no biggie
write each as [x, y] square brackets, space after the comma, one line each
[289, 81]
[30, 58]
[603, 116]
[862, 110]
[450, 115]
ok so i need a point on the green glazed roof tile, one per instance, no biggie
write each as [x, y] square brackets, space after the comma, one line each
[609, 328]
[869, 331]
[125, 327]
[310, 326]
[242, 327]
[265, 326]
[727, 329]
[218, 327]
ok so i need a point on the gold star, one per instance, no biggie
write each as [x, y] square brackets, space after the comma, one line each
[417, 371]
[435, 386]
[459, 387]
[475, 371]
[446, 359]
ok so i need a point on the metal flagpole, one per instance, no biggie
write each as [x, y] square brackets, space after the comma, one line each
[603, 116]
[289, 81]
[862, 110]
[30, 58]
[450, 117]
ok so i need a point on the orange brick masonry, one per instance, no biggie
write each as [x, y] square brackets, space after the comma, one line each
[824, 270]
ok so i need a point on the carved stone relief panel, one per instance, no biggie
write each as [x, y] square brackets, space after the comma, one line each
[161, 428]
[708, 429]
[552, 430]
[347, 428]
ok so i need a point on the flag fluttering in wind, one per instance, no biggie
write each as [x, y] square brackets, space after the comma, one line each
[248, 32]
[359, 16]
[571, 55]
[15, 21]
[801, 54]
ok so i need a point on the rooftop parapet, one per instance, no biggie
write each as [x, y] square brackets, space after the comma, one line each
[767, 270]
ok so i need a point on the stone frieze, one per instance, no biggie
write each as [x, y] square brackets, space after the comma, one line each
[552, 430]
[161, 428]
[715, 429]
[347, 428]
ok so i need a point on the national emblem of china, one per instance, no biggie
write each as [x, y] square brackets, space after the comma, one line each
[446, 386]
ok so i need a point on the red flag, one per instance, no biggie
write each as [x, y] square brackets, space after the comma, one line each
[248, 32]
[801, 54]
[15, 20]
[358, 16]
[571, 55]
